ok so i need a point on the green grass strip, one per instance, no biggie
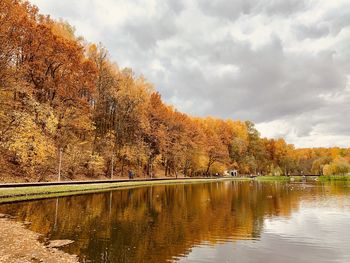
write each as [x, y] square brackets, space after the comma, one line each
[330, 178]
[279, 178]
[39, 192]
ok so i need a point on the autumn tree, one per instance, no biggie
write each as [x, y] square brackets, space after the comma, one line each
[59, 93]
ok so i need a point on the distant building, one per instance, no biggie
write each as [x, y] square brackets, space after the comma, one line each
[233, 172]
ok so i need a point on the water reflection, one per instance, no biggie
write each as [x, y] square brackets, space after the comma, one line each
[214, 222]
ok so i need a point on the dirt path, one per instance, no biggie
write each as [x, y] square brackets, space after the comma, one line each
[18, 244]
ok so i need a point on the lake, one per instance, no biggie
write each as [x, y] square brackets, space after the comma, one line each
[229, 221]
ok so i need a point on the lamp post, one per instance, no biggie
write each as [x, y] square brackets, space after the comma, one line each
[60, 164]
[112, 168]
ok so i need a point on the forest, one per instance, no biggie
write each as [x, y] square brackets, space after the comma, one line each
[61, 96]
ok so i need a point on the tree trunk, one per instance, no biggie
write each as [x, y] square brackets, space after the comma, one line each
[122, 170]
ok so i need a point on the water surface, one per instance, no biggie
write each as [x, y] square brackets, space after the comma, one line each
[232, 221]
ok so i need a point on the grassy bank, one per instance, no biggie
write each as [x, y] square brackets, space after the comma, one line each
[323, 178]
[13, 194]
[279, 178]
[39, 192]
[331, 178]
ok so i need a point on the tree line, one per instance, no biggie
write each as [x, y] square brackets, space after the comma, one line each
[59, 92]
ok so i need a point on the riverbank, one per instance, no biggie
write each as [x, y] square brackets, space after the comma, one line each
[279, 178]
[331, 178]
[23, 193]
[322, 178]
[19, 244]
[12, 194]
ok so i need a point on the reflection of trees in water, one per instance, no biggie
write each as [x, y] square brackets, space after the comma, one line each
[157, 223]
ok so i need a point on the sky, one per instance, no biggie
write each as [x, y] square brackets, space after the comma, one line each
[283, 64]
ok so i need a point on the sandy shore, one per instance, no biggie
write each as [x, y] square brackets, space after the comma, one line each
[19, 244]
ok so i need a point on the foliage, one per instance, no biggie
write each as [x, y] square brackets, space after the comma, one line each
[60, 92]
[339, 166]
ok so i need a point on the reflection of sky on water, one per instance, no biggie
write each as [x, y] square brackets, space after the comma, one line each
[318, 232]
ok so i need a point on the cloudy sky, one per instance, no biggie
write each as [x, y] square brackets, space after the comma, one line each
[284, 64]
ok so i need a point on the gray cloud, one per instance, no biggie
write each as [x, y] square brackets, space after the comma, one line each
[148, 32]
[269, 83]
[339, 18]
[176, 5]
[284, 64]
[314, 31]
[283, 7]
[233, 9]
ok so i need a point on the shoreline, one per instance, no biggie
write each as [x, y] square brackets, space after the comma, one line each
[19, 244]
[59, 189]
[323, 178]
[24, 193]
